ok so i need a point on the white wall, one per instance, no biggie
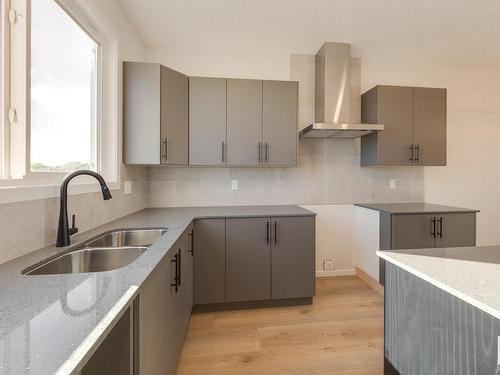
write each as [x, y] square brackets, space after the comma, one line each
[335, 238]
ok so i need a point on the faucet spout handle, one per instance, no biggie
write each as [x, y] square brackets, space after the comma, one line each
[73, 228]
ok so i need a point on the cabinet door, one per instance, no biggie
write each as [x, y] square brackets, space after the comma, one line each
[412, 231]
[244, 122]
[209, 248]
[187, 276]
[113, 356]
[248, 259]
[455, 230]
[430, 125]
[395, 109]
[292, 257]
[141, 113]
[207, 121]
[174, 117]
[155, 333]
[279, 122]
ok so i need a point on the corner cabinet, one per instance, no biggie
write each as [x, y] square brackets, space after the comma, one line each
[155, 115]
[241, 122]
[414, 121]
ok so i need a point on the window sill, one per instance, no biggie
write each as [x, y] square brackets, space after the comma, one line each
[20, 193]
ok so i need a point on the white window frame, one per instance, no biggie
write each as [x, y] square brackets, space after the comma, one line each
[18, 181]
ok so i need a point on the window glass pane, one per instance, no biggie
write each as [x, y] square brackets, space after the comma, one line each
[63, 91]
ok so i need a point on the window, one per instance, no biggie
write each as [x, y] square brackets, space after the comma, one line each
[64, 81]
[60, 96]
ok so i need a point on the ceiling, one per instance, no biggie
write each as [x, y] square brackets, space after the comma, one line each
[449, 31]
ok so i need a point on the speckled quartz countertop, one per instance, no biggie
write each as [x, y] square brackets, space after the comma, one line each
[469, 273]
[51, 324]
[413, 208]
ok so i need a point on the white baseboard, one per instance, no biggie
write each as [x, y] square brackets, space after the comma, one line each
[336, 273]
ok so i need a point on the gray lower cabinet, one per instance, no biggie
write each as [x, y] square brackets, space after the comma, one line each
[292, 257]
[165, 302]
[253, 259]
[209, 237]
[412, 231]
[279, 122]
[115, 354]
[155, 115]
[248, 259]
[244, 122]
[414, 121]
[207, 121]
[419, 231]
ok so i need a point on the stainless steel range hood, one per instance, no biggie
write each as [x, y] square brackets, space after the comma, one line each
[333, 96]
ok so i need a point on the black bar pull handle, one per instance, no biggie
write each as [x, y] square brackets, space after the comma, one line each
[267, 232]
[411, 152]
[223, 146]
[175, 283]
[417, 157]
[433, 227]
[191, 243]
[180, 269]
[440, 228]
[165, 155]
[260, 152]
[275, 232]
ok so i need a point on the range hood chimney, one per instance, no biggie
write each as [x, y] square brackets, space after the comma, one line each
[333, 96]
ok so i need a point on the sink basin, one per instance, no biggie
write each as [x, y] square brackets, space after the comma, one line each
[96, 259]
[128, 237]
[106, 252]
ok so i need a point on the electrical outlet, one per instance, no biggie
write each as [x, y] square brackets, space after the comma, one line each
[127, 187]
[392, 183]
[234, 185]
[328, 265]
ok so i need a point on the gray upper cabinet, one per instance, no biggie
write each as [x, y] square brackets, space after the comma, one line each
[141, 113]
[207, 121]
[292, 258]
[414, 126]
[244, 122]
[248, 259]
[430, 125]
[155, 115]
[209, 261]
[279, 122]
[174, 117]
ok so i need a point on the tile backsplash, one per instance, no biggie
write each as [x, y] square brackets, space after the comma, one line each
[30, 225]
[328, 170]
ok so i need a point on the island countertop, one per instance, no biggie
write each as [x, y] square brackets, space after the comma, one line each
[413, 208]
[469, 273]
[51, 324]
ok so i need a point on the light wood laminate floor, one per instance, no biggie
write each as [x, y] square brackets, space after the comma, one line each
[341, 333]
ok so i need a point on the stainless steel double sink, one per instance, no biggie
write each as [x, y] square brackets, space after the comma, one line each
[105, 252]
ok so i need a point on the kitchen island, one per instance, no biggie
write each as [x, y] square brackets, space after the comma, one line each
[442, 311]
